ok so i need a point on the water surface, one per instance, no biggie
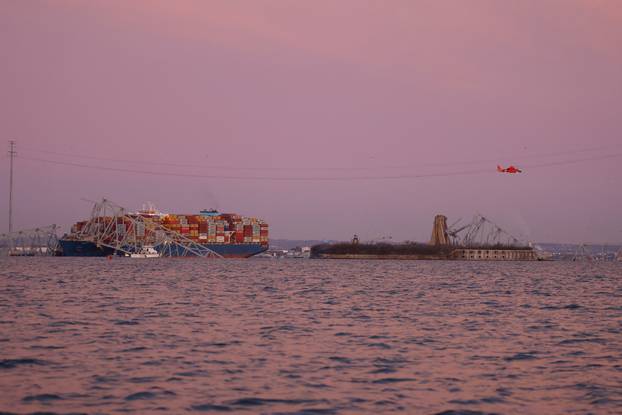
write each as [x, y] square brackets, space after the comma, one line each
[98, 336]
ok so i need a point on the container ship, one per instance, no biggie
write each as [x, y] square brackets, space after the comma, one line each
[228, 234]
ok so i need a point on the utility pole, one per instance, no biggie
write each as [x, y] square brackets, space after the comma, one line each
[12, 154]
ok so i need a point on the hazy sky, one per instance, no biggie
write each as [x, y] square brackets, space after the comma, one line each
[308, 89]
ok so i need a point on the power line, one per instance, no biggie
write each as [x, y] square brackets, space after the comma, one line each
[316, 179]
[12, 154]
[330, 168]
[575, 161]
[260, 178]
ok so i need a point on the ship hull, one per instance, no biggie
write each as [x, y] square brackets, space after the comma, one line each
[225, 250]
[83, 248]
[237, 250]
[89, 249]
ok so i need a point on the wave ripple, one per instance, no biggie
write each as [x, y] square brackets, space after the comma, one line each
[90, 335]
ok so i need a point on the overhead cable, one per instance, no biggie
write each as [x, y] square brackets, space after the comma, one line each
[516, 158]
[316, 179]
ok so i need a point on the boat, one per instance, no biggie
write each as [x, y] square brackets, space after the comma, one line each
[145, 252]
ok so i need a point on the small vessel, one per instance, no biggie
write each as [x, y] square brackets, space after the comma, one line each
[145, 252]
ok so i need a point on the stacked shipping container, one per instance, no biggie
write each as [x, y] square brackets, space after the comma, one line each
[213, 229]
[220, 229]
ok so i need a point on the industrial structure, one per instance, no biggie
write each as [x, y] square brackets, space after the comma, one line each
[495, 254]
[480, 239]
[480, 232]
[439, 231]
[41, 241]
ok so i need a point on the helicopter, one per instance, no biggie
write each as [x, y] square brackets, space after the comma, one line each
[509, 169]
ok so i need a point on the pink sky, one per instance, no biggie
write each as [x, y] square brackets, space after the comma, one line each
[324, 85]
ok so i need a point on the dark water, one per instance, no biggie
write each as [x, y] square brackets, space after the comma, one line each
[309, 337]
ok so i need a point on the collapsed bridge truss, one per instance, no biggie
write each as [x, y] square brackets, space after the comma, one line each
[42, 241]
[481, 231]
[111, 226]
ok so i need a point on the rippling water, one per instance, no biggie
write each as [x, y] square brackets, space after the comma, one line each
[309, 337]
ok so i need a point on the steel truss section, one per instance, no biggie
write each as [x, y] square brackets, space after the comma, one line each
[113, 227]
[482, 232]
[41, 241]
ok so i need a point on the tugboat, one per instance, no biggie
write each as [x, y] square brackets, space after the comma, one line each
[145, 252]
